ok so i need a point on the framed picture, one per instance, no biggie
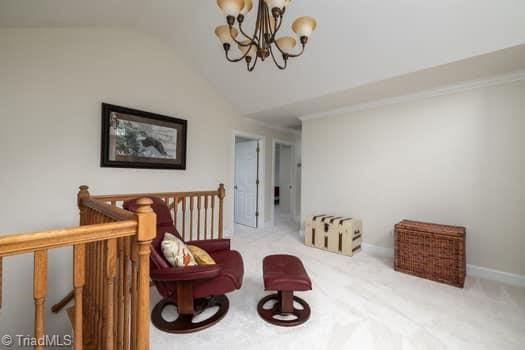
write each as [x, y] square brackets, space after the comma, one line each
[138, 139]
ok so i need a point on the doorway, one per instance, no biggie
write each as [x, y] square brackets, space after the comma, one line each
[247, 180]
[283, 189]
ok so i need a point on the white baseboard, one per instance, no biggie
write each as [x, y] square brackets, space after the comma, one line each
[496, 275]
[377, 250]
[472, 270]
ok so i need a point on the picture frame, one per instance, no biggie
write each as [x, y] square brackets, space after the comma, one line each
[133, 138]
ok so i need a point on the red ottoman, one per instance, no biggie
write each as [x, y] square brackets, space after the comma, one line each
[286, 275]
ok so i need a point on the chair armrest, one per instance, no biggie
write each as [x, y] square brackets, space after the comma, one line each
[212, 245]
[189, 273]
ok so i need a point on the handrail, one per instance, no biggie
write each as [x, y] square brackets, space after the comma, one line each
[123, 197]
[108, 210]
[27, 242]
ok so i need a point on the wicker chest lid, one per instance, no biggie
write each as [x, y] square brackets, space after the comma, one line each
[447, 230]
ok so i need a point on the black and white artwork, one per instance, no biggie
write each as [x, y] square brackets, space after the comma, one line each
[138, 139]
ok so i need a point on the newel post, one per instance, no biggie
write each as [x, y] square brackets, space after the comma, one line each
[222, 194]
[146, 231]
[82, 194]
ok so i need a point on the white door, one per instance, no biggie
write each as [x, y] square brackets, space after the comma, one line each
[285, 179]
[246, 168]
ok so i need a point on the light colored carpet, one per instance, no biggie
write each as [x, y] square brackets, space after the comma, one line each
[359, 303]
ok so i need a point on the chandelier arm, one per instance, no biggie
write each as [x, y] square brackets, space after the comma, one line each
[237, 41]
[290, 54]
[244, 34]
[277, 26]
[277, 63]
[234, 60]
[254, 63]
[297, 54]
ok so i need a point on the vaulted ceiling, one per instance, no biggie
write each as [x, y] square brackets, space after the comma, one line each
[357, 42]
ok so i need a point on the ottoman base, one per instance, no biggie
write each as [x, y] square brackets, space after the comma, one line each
[284, 307]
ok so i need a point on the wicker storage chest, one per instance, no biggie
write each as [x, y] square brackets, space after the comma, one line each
[432, 251]
[335, 234]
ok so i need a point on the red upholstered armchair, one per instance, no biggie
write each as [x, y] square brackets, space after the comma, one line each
[195, 288]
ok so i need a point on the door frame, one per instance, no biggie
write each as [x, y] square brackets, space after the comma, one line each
[293, 194]
[261, 192]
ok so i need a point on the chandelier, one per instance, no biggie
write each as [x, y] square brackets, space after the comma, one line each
[263, 43]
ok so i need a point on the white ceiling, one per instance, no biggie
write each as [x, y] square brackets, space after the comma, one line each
[357, 42]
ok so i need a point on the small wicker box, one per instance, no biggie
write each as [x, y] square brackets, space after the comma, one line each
[432, 251]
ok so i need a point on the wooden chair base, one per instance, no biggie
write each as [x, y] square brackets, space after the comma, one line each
[284, 307]
[184, 323]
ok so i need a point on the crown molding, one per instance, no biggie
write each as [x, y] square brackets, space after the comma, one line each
[274, 127]
[447, 90]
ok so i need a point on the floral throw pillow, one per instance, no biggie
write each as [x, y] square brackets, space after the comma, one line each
[176, 251]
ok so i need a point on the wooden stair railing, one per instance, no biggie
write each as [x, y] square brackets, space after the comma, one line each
[208, 223]
[196, 214]
[110, 273]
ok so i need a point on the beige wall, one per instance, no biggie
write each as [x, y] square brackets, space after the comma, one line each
[52, 82]
[456, 159]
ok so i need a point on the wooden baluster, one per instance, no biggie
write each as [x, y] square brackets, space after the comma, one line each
[109, 276]
[88, 301]
[39, 293]
[134, 258]
[206, 217]
[175, 209]
[126, 272]
[222, 194]
[84, 216]
[198, 217]
[100, 295]
[92, 294]
[146, 231]
[121, 292]
[116, 286]
[79, 279]
[191, 218]
[184, 218]
[212, 215]
[115, 310]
